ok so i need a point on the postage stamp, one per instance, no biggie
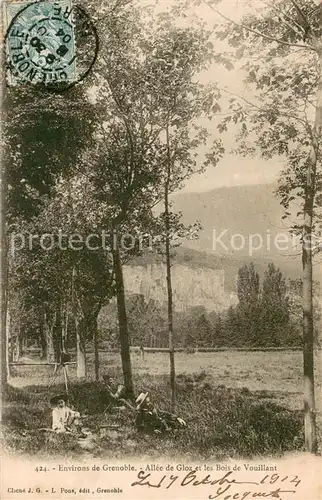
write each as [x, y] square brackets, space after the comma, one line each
[40, 42]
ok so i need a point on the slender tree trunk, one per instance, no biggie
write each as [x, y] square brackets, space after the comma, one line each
[123, 326]
[307, 258]
[43, 343]
[4, 238]
[19, 341]
[58, 332]
[308, 345]
[169, 281]
[49, 333]
[50, 342]
[96, 353]
[81, 370]
[65, 323]
[4, 345]
[7, 333]
[42, 334]
[17, 349]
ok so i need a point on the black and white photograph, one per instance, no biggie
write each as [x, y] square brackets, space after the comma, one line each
[161, 230]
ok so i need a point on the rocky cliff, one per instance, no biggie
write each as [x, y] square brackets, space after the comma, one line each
[192, 286]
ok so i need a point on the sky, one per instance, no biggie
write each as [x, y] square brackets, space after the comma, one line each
[231, 170]
[235, 171]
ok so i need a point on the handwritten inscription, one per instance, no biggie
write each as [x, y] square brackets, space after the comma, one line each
[225, 487]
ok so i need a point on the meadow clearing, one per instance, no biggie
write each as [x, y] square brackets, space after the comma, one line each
[236, 404]
[278, 372]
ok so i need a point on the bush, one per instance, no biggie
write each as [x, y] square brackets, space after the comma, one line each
[90, 397]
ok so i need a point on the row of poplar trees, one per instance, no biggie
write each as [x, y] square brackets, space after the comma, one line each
[91, 162]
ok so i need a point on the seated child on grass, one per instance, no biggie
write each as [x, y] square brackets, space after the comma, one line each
[63, 418]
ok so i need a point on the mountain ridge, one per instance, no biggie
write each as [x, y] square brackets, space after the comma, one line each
[251, 209]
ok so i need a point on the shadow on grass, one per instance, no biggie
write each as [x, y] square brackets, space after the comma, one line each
[221, 422]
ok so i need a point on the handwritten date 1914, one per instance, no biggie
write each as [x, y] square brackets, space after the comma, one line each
[225, 486]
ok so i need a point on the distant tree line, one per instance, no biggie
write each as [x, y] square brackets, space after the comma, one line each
[268, 314]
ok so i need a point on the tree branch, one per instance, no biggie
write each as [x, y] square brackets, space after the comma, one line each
[126, 124]
[257, 33]
[287, 115]
[303, 17]
[285, 19]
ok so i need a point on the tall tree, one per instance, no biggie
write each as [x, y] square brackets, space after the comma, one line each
[148, 148]
[126, 169]
[275, 307]
[235, 328]
[177, 57]
[248, 292]
[284, 117]
[168, 268]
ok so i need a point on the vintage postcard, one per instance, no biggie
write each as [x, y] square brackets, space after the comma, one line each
[161, 230]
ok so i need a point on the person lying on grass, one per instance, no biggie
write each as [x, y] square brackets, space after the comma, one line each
[150, 419]
[63, 418]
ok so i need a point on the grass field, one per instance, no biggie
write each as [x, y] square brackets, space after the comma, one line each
[236, 404]
[276, 372]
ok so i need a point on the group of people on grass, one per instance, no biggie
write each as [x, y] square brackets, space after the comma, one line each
[147, 417]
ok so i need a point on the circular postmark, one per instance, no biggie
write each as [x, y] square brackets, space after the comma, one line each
[41, 44]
